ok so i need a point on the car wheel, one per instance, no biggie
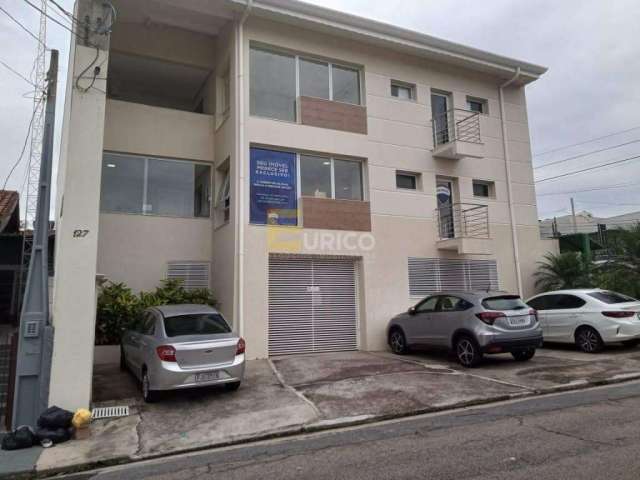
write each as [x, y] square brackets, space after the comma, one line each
[232, 386]
[468, 351]
[123, 361]
[398, 342]
[631, 343]
[524, 355]
[588, 340]
[148, 395]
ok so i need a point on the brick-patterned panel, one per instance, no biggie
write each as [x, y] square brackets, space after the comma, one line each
[336, 214]
[318, 112]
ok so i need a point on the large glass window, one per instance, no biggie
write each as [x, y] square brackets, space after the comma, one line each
[315, 176]
[132, 184]
[273, 85]
[122, 183]
[348, 179]
[314, 78]
[346, 85]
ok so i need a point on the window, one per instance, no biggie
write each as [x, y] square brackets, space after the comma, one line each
[225, 92]
[408, 181]
[566, 302]
[195, 324]
[319, 176]
[148, 325]
[453, 304]
[483, 189]
[152, 186]
[506, 302]
[541, 303]
[403, 91]
[348, 179]
[273, 85]
[223, 197]
[611, 297]
[346, 84]
[122, 183]
[427, 305]
[314, 79]
[477, 105]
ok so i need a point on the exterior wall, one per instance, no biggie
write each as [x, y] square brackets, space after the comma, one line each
[73, 312]
[399, 138]
[153, 241]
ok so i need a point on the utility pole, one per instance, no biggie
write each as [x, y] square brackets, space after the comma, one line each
[35, 337]
[573, 216]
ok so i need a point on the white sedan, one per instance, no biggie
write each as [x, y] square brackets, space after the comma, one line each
[590, 318]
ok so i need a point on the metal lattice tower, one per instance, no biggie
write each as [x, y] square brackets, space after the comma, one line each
[35, 150]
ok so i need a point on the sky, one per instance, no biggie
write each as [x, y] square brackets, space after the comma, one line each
[592, 88]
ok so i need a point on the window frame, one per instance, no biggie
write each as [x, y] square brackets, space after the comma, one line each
[409, 86]
[317, 59]
[491, 190]
[222, 201]
[332, 159]
[414, 175]
[425, 300]
[481, 101]
[143, 206]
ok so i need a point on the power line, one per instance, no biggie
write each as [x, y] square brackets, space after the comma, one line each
[586, 154]
[24, 147]
[569, 192]
[66, 27]
[18, 74]
[585, 141]
[65, 12]
[588, 202]
[588, 169]
[22, 26]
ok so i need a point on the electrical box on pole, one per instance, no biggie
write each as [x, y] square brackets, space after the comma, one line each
[35, 337]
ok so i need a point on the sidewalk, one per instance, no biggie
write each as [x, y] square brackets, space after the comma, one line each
[290, 395]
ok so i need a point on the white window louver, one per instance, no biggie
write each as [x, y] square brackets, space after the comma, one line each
[194, 275]
[313, 304]
[429, 275]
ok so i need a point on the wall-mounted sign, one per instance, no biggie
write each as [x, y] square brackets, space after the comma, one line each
[274, 197]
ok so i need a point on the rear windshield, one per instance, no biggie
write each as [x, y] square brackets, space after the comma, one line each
[195, 324]
[611, 297]
[505, 302]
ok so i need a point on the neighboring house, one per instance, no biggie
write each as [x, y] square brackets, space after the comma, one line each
[585, 222]
[10, 255]
[319, 171]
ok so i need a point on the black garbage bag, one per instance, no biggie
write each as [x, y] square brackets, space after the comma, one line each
[55, 417]
[56, 435]
[21, 437]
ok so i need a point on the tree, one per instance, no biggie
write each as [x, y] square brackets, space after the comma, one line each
[622, 272]
[564, 270]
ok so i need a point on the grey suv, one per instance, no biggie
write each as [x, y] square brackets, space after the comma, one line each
[469, 323]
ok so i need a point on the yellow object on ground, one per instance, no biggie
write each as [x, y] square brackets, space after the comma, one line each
[81, 418]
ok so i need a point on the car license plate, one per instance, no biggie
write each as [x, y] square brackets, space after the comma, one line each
[207, 376]
[518, 321]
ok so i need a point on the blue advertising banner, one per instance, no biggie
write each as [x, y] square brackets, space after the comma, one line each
[274, 197]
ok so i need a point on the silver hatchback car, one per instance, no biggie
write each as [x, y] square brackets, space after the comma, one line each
[182, 346]
[469, 323]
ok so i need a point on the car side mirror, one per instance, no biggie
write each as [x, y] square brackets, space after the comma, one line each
[411, 311]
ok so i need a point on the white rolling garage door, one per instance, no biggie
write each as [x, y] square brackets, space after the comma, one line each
[313, 304]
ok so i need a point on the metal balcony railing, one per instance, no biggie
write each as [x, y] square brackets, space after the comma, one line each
[456, 124]
[462, 220]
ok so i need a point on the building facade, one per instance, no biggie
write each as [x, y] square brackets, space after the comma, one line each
[319, 171]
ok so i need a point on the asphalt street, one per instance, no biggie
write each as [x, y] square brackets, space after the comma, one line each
[587, 434]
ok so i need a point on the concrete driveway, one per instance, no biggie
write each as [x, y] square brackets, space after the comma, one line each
[294, 394]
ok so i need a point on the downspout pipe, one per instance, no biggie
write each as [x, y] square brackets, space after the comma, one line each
[240, 165]
[507, 167]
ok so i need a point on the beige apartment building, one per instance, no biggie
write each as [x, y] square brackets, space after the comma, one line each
[319, 171]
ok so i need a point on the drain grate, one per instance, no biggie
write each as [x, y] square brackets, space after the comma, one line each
[109, 412]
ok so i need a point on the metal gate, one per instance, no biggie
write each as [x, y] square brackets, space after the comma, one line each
[313, 304]
[8, 353]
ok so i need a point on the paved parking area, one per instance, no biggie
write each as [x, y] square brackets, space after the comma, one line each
[301, 393]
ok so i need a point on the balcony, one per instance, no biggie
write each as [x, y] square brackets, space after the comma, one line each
[464, 228]
[456, 134]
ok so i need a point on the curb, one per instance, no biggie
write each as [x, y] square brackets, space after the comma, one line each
[323, 426]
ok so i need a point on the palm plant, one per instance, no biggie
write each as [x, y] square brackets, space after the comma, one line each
[562, 271]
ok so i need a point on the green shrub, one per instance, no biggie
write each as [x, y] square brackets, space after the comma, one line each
[119, 308]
